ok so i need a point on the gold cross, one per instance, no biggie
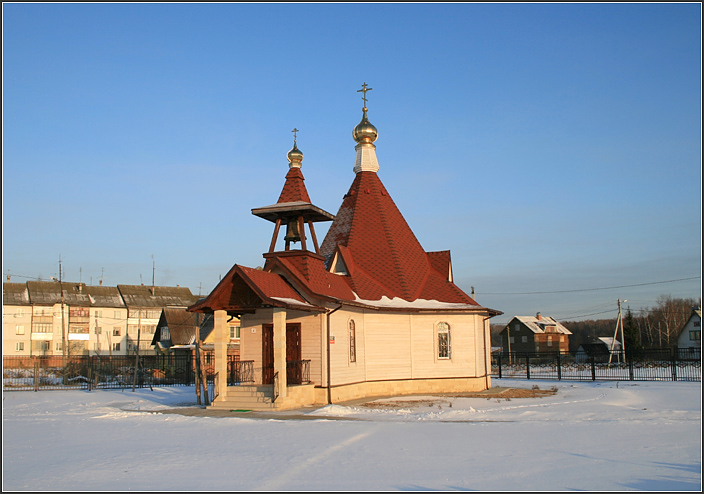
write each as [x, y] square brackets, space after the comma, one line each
[295, 132]
[364, 90]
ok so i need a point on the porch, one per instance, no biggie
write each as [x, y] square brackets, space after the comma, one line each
[259, 388]
[271, 371]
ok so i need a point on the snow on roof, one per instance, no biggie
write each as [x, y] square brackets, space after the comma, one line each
[420, 303]
[538, 325]
[292, 301]
[608, 341]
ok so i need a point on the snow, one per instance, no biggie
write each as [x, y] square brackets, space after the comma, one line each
[415, 304]
[292, 301]
[593, 436]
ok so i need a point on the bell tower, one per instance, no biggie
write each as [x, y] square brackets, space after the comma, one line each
[294, 208]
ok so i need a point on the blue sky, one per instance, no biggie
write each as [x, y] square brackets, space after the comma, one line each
[553, 148]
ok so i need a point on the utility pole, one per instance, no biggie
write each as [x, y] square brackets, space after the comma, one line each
[136, 357]
[64, 347]
[619, 324]
[97, 336]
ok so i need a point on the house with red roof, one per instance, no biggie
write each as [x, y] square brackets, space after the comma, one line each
[367, 312]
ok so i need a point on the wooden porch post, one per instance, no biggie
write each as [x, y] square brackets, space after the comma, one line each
[221, 338]
[279, 320]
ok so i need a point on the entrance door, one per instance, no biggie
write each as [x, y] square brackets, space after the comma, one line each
[294, 373]
[293, 354]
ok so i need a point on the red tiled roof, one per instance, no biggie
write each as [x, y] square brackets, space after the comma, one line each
[440, 261]
[294, 188]
[246, 289]
[387, 258]
[309, 269]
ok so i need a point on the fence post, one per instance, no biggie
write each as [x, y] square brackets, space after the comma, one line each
[499, 363]
[36, 373]
[593, 368]
[90, 373]
[559, 367]
[527, 366]
[674, 365]
[630, 369]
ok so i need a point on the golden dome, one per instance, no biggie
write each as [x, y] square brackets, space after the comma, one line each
[365, 131]
[295, 156]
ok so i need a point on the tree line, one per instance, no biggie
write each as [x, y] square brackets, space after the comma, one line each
[652, 327]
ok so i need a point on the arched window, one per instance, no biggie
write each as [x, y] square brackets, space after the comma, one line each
[353, 341]
[444, 342]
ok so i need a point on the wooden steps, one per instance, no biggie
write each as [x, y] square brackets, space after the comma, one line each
[258, 398]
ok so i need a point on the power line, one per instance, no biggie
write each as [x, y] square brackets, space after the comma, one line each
[591, 289]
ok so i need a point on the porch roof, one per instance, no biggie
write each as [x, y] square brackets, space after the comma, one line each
[246, 289]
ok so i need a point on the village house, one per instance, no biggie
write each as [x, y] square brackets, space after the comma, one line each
[368, 312]
[602, 349]
[528, 334]
[689, 339]
[41, 318]
[178, 329]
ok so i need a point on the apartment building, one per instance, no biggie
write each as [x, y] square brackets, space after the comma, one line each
[67, 318]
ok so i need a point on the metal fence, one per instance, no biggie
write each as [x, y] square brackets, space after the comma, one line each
[97, 372]
[647, 365]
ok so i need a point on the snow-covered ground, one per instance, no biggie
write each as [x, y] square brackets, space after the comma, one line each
[591, 436]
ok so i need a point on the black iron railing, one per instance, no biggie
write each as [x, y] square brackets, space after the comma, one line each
[298, 372]
[96, 372]
[240, 371]
[275, 386]
[647, 365]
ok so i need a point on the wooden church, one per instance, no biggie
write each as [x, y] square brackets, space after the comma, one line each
[366, 313]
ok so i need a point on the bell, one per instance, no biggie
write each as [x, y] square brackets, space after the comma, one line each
[292, 233]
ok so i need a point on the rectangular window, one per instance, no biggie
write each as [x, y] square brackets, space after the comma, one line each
[45, 346]
[524, 339]
[78, 312]
[19, 329]
[549, 340]
[98, 330]
[234, 332]
[116, 331]
[353, 342]
[58, 346]
[444, 341]
[19, 346]
[695, 335]
[511, 339]
[98, 313]
[116, 347]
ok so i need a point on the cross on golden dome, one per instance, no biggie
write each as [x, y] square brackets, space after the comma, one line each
[364, 90]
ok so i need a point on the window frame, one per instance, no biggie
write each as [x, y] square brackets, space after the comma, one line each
[352, 332]
[443, 337]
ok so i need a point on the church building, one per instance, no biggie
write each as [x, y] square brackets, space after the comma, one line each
[366, 313]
